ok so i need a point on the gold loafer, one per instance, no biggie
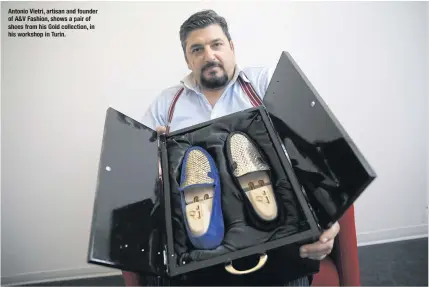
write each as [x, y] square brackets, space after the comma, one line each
[252, 174]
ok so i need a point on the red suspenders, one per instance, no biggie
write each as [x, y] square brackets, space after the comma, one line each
[171, 109]
[247, 89]
[250, 92]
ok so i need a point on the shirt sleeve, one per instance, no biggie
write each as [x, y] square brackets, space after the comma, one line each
[157, 113]
[260, 79]
[263, 81]
[153, 117]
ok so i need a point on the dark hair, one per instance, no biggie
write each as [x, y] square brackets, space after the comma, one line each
[201, 20]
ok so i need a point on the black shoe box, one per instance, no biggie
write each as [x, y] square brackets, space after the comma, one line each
[319, 173]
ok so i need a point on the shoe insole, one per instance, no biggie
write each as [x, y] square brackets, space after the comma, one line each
[199, 202]
[259, 190]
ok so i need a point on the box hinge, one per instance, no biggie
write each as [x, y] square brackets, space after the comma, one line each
[164, 254]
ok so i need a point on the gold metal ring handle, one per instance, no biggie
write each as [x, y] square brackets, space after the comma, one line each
[262, 260]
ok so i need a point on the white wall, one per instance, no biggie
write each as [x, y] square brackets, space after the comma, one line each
[367, 60]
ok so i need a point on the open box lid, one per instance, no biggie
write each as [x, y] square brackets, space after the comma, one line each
[127, 215]
[328, 165]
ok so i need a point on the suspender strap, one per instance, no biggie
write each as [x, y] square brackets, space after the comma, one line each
[172, 107]
[250, 92]
[247, 89]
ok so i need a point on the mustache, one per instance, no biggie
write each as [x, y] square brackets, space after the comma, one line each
[210, 65]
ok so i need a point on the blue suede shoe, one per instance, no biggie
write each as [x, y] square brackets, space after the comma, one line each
[201, 199]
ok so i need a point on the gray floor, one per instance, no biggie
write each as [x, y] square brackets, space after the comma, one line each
[402, 263]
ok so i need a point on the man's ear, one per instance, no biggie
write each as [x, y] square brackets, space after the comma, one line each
[186, 59]
[231, 44]
[187, 62]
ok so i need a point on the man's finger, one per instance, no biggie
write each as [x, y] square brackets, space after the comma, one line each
[317, 246]
[316, 249]
[311, 248]
[318, 257]
[322, 251]
[315, 254]
[330, 233]
[161, 130]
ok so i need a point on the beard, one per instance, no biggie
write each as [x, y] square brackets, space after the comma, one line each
[213, 81]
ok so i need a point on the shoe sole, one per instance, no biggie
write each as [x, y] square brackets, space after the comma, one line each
[259, 191]
[199, 203]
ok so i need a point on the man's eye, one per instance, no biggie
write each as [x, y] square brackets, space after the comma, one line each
[196, 50]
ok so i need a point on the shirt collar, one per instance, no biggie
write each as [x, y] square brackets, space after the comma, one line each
[189, 81]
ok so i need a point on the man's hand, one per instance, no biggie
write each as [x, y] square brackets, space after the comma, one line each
[320, 249]
[161, 130]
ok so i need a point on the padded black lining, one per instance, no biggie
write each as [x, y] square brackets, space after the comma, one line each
[239, 232]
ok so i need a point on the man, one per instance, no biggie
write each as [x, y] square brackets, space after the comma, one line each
[217, 86]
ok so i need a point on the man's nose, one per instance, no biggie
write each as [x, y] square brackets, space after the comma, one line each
[209, 55]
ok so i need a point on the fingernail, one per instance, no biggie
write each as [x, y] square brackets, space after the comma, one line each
[324, 240]
[304, 255]
[303, 250]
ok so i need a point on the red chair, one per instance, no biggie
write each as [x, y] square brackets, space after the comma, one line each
[340, 268]
[131, 279]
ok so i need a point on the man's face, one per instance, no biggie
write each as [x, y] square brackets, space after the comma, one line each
[210, 56]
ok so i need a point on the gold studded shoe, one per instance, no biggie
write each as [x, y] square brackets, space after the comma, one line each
[252, 174]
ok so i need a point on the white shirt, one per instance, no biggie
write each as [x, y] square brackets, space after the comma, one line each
[193, 108]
